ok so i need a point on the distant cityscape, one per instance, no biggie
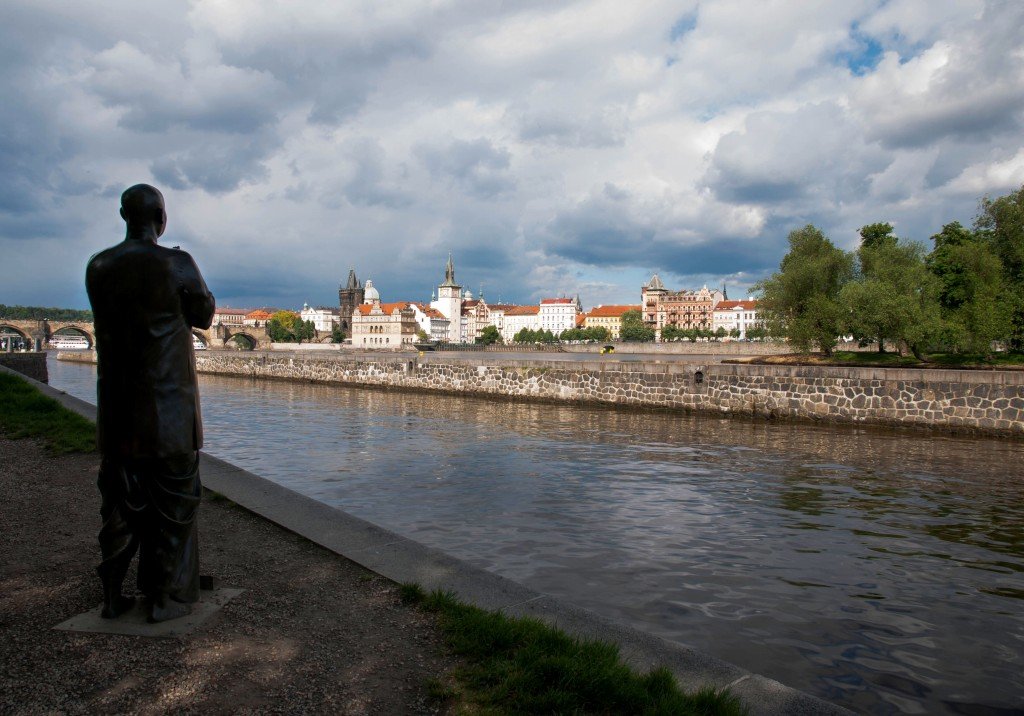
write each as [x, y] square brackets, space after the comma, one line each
[454, 315]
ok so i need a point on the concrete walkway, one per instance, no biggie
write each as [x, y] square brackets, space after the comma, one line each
[401, 560]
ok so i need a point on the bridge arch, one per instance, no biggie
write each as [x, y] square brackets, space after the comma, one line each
[200, 338]
[241, 341]
[74, 331]
[9, 333]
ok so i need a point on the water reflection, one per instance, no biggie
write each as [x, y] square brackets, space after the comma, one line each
[878, 569]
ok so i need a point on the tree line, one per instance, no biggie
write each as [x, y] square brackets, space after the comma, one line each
[38, 313]
[964, 295]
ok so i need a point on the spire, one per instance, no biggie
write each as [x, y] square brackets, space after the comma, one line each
[353, 282]
[449, 272]
[655, 284]
[725, 293]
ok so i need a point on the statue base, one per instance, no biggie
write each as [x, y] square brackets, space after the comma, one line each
[133, 622]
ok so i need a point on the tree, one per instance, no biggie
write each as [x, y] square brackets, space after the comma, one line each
[489, 335]
[337, 334]
[895, 297]
[672, 333]
[1000, 224]
[634, 328]
[284, 327]
[801, 300]
[421, 335]
[976, 309]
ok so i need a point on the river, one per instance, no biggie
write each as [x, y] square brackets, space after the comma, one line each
[882, 570]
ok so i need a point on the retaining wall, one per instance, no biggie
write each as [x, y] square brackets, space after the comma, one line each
[31, 364]
[976, 401]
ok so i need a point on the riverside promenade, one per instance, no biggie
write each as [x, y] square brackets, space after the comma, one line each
[314, 630]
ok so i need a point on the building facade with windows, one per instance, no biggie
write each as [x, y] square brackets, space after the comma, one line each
[682, 309]
[736, 315]
[608, 317]
[558, 314]
[517, 318]
[382, 325]
[229, 316]
[324, 318]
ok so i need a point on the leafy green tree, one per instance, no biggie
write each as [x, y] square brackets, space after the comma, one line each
[801, 300]
[894, 298]
[975, 307]
[489, 335]
[1000, 224]
[421, 335]
[39, 313]
[285, 327]
[525, 335]
[337, 334]
[721, 333]
[596, 333]
[634, 328]
[672, 333]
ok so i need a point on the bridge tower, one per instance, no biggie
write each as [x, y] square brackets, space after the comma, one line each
[349, 296]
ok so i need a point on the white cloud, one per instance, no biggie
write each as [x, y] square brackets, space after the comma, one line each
[542, 143]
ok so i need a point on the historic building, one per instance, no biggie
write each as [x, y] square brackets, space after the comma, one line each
[517, 318]
[449, 302]
[382, 325]
[224, 316]
[257, 318]
[683, 309]
[324, 318]
[558, 314]
[351, 295]
[431, 321]
[609, 317]
[736, 315]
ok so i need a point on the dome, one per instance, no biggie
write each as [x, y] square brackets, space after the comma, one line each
[370, 294]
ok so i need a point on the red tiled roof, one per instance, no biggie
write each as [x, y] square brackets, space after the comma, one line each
[732, 305]
[232, 311]
[611, 311]
[557, 300]
[523, 311]
[258, 314]
[429, 311]
[500, 306]
[388, 308]
[581, 318]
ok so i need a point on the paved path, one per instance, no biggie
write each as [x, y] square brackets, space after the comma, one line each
[312, 632]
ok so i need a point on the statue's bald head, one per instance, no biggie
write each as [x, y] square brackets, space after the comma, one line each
[143, 205]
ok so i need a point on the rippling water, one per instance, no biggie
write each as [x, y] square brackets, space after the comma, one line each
[880, 570]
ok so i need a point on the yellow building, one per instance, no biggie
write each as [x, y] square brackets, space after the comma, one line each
[609, 317]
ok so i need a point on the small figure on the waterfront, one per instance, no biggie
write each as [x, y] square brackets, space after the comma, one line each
[145, 300]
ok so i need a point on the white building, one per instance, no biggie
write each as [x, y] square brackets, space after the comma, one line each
[431, 321]
[449, 302]
[324, 318]
[229, 316]
[558, 314]
[517, 318]
[738, 315]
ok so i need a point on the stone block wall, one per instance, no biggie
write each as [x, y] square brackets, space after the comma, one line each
[978, 401]
[31, 364]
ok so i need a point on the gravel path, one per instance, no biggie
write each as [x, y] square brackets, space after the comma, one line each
[312, 633]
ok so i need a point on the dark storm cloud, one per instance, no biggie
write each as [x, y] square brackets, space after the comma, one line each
[477, 166]
[216, 164]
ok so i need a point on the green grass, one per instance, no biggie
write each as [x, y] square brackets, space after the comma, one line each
[519, 665]
[27, 413]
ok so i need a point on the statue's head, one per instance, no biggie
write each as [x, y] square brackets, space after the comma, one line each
[143, 205]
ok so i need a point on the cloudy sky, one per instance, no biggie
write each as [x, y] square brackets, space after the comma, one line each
[553, 148]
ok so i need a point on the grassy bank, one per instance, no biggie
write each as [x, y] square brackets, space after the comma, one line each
[867, 359]
[27, 413]
[520, 665]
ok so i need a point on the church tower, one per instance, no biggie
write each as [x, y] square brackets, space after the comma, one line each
[349, 296]
[449, 301]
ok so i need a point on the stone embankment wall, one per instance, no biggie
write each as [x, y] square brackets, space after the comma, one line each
[976, 401]
[31, 364]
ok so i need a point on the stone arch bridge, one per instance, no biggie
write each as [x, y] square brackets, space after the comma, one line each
[220, 336]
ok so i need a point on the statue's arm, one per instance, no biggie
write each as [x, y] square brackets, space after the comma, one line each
[197, 302]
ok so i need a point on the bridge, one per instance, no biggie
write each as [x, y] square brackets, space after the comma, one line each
[220, 336]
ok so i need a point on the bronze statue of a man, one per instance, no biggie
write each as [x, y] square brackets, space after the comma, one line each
[145, 300]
